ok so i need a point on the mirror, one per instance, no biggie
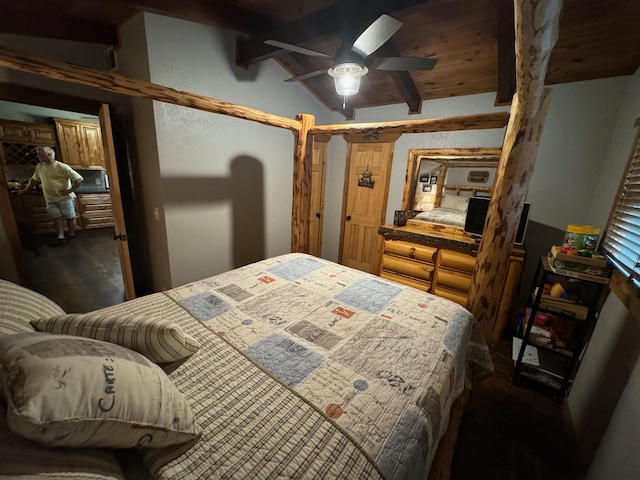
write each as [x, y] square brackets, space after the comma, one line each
[439, 182]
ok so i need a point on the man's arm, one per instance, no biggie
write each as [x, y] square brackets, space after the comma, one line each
[32, 183]
[74, 185]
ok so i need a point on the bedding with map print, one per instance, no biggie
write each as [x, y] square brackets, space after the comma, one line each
[381, 361]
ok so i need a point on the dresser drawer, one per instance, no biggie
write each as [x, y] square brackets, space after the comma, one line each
[405, 280]
[454, 279]
[457, 260]
[410, 250]
[405, 266]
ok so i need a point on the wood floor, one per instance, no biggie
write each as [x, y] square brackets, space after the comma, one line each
[510, 432]
[80, 276]
[507, 432]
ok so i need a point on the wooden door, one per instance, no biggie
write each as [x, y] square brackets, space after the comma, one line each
[114, 189]
[318, 168]
[365, 204]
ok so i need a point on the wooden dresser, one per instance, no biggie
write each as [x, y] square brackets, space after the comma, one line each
[442, 262]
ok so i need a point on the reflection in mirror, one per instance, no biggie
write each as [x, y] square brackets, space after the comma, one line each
[440, 182]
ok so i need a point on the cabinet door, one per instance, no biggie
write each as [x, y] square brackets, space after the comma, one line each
[42, 135]
[69, 139]
[92, 140]
[13, 132]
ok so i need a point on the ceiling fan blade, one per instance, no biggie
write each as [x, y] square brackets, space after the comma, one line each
[376, 35]
[307, 75]
[295, 48]
[403, 63]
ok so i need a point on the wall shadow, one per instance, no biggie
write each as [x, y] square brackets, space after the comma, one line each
[538, 242]
[244, 188]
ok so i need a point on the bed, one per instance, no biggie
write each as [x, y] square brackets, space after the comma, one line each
[452, 211]
[304, 369]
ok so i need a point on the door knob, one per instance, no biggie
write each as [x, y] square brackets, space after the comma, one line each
[348, 217]
[318, 215]
[120, 236]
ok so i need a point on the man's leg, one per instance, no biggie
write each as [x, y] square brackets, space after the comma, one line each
[56, 214]
[68, 210]
[59, 226]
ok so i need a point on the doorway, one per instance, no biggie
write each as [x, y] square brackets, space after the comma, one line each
[368, 170]
[93, 271]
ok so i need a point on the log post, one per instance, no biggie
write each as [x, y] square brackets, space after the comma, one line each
[536, 33]
[302, 152]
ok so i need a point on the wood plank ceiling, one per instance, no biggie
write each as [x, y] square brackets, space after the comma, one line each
[472, 40]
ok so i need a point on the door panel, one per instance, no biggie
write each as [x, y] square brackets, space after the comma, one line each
[365, 207]
[318, 167]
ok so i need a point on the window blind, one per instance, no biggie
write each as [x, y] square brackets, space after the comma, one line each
[622, 240]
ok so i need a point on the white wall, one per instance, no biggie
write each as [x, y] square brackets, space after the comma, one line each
[604, 398]
[576, 134]
[225, 184]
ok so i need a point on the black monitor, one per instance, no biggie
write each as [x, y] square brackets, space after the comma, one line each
[477, 213]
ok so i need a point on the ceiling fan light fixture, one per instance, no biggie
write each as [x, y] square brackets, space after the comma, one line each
[346, 77]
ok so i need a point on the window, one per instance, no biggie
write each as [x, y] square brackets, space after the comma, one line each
[622, 241]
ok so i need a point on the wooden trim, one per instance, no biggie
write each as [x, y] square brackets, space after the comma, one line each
[113, 82]
[11, 231]
[480, 152]
[371, 138]
[479, 121]
[302, 158]
[116, 201]
[345, 190]
[627, 292]
[443, 459]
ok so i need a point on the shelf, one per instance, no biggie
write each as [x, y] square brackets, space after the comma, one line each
[572, 319]
[545, 342]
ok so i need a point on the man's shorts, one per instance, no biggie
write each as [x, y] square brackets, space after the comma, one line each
[64, 208]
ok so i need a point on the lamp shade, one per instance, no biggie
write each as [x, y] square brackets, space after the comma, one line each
[346, 77]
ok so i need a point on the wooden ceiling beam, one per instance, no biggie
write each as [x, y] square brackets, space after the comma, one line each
[506, 53]
[402, 80]
[320, 25]
[58, 27]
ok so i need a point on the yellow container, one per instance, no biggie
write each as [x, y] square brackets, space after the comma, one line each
[581, 237]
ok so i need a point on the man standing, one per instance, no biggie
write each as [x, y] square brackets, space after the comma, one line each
[59, 181]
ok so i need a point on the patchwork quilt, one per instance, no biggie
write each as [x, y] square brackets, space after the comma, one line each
[315, 370]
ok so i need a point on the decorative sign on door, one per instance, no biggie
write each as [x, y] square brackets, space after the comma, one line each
[366, 179]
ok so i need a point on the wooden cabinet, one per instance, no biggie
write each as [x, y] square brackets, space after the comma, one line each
[80, 143]
[442, 263]
[27, 133]
[95, 210]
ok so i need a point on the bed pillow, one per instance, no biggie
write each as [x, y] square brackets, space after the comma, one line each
[160, 340]
[455, 202]
[23, 458]
[19, 305]
[80, 392]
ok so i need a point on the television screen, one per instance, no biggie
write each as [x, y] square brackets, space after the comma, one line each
[477, 213]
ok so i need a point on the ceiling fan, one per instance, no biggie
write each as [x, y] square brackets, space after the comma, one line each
[352, 61]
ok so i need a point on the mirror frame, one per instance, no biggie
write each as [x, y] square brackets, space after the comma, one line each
[483, 157]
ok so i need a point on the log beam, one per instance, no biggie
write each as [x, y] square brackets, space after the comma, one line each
[468, 122]
[536, 32]
[112, 82]
[302, 158]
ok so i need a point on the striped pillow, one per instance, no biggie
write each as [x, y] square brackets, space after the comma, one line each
[19, 305]
[454, 202]
[160, 340]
